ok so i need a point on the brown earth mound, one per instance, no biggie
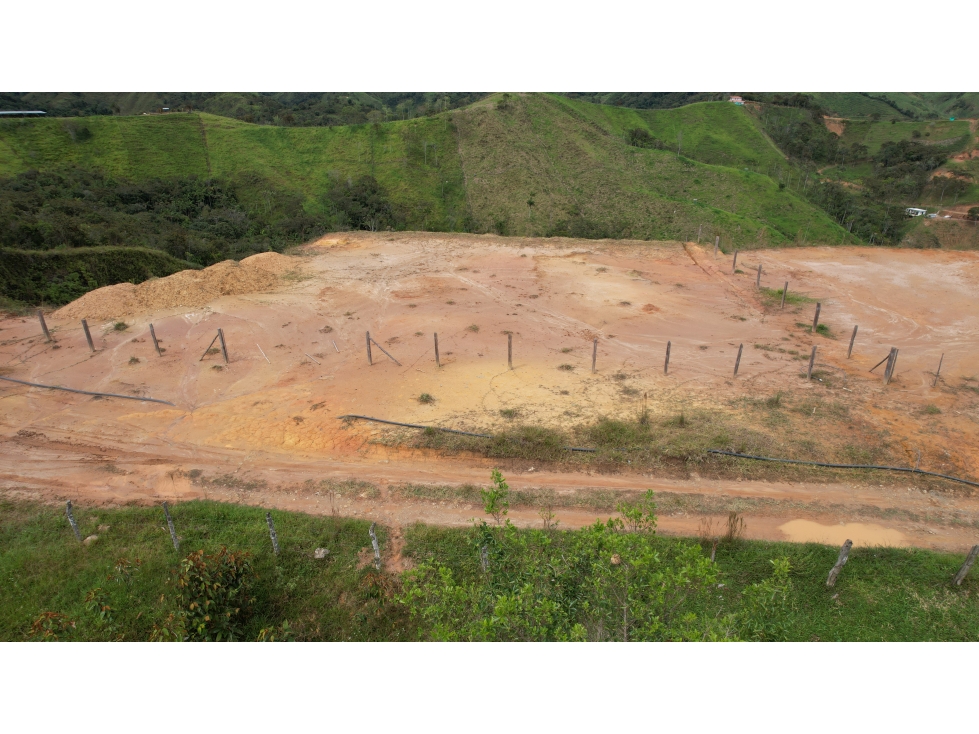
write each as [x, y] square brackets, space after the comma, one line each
[192, 288]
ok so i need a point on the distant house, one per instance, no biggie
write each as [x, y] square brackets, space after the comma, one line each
[913, 211]
[737, 100]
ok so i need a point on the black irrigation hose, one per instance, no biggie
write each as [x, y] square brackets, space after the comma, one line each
[86, 392]
[908, 469]
[446, 430]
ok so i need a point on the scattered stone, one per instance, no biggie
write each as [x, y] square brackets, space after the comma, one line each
[90, 539]
[320, 553]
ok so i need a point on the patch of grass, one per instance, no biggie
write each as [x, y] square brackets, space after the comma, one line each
[120, 326]
[509, 413]
[566, 367]
[134, 360]
[931, 409]
[824, 330]
[130, 564]
[773, 297]
[425, 398]
[474, 328]
[566, 350]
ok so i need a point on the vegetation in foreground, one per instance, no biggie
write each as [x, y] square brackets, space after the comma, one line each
[614, 580]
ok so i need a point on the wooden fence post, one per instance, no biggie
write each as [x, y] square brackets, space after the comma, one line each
[224, 347]
[44, 326]
[758, 279]
[275, 538]
[484, 558]
[737, 362]
[734, 267]
[377, 548]
[852, 339]
[891, 365]
[785, 290]
[666, 364]
[840, 562]
[71, 521]
[88, 335]
[812, 361]
[960, 576]
[438, 363]
[594, 355]
[509, 351]
[717, 243]
[173, 532]
[156, 344]
[939, 370]
[815, 320]
[370, 361]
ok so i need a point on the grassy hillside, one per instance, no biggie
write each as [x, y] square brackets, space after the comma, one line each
[547, 165]
[475, 168]
[137, 148]
[855, 105]
[954, 136]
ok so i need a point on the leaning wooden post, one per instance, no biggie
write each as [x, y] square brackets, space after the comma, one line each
[812, 361]
[44, 326]
[594, 355]
[737, 362]
[717, 243]
[666, 364]
[173, 532]
[208, 348]
[735, 265]
[88, 335]
[758, 279]
[960, 576]
[71, 521]
[156, 344]
[852, 339]
[815, 320]
[784, 291]
[939, 370]
[224, 347]
[840, 562]
[377, 548]
[369, 360]
[891, 365]
[275, 538]
[438, 363]
[509, 351]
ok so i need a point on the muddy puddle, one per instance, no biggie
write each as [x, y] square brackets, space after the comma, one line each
[865, 534]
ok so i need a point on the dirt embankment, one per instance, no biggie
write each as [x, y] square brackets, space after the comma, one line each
[188, 288]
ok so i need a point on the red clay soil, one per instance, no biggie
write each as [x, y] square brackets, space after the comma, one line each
[271, 421]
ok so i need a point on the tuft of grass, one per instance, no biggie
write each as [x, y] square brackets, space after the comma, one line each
[773, 296]
[120, 326]
[134, 360]
[425, 398]
[931, 409]
[474, 328]
[566, 367]
[509, 413]
[566, 350]
[775, 401]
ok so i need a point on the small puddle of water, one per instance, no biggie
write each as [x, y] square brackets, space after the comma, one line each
[866, 534]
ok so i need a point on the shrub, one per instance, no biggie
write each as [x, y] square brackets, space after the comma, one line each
[214, 594]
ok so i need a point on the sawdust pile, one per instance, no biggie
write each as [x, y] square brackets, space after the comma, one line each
[188, 288]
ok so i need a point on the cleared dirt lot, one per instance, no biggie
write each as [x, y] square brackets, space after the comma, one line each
[272, 423]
